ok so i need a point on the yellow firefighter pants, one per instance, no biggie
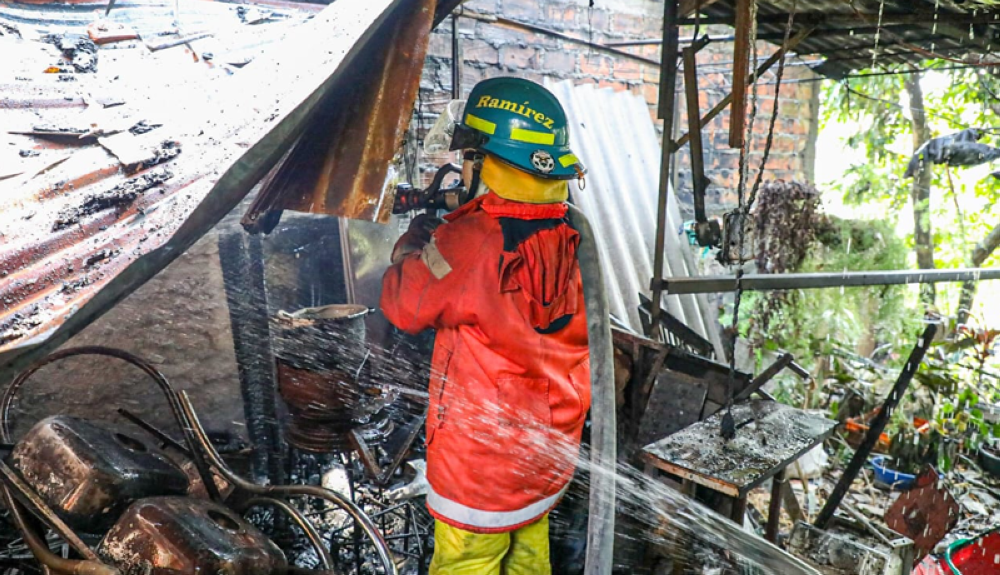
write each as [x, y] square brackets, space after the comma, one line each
[521, 552]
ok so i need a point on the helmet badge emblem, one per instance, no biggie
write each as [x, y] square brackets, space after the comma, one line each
[542, 161]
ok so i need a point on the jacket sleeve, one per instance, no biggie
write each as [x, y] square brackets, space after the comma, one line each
[424, 290]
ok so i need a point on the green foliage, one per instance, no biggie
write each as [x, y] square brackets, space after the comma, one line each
[878, 112]
[818, 322]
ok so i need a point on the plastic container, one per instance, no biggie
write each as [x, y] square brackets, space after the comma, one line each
[896, 480]
[857, 428]
[989, 457]
[991, 412]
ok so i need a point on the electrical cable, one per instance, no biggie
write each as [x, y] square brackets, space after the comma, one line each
[728, 427]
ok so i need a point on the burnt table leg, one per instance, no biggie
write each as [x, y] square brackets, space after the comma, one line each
[774, 508]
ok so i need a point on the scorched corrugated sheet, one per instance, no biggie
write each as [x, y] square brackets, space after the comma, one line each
[85, 220]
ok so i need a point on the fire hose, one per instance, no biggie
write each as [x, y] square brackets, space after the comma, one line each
[603, 435]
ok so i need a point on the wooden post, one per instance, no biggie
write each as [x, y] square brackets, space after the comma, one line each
[668, 87]
[741, 69]
[774, 507]
[698, 179]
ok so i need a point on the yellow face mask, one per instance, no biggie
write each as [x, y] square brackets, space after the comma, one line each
[517, 185]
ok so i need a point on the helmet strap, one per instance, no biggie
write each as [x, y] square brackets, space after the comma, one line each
[478, 188]
[581, 180]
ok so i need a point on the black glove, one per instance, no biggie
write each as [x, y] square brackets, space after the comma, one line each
[416, 236]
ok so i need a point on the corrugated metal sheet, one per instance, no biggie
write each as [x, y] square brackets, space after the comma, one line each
[81, 226]
[613, 133]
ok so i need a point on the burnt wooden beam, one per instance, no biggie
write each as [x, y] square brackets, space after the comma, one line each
[741, 70]
[699, 180]
[764, 67]
[765, 376]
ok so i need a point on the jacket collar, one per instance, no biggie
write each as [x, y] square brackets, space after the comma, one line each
[498, 207]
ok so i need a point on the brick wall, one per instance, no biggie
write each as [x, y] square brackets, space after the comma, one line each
[494, 48]
[792, 150]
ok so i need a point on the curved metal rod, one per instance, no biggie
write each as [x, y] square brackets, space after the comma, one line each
[42, 552]
[145, 366]
[198, 433]
[314, 537]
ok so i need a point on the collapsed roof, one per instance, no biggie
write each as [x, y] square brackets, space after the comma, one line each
[125, 137]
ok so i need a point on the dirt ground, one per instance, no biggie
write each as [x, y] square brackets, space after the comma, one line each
[179, 321]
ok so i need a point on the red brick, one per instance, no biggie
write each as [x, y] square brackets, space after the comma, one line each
[651, 92]
[617, 86]
[470, 76]
[627, 23]
[439, 45]
[649, 73]
[518, 57]
[523, 10]
[564, 15]
[484, 6]
[595, 65]
[652, 26]
[650, 51]
[559, 61]
[626, 70]
[498, 34]
[480, 52]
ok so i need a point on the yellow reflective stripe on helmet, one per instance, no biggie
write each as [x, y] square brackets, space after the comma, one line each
[532, 137]
[480, 124]
[568, 160]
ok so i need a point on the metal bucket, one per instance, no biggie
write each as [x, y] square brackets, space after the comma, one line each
[321, 356]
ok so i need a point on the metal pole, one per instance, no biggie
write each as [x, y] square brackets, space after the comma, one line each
[764, 282]
[456, 60]
[665, 111]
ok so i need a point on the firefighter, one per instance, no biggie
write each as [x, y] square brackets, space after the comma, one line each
[510, 373]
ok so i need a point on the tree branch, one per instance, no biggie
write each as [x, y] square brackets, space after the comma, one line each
[980, 254]
[920, 193]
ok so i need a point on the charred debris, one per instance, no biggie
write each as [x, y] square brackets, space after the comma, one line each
[330, 478]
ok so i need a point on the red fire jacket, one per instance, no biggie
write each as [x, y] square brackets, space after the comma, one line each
[510, 375]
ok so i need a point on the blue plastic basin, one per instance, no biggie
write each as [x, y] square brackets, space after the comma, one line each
[894, 479]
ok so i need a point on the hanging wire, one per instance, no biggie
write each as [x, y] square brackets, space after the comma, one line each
[919, 50]
[728, 423]
[878, 30]
[697, 20]
[728, 430]
[774, 109]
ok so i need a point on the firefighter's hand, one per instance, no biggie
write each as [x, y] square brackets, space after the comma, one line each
[416, 236]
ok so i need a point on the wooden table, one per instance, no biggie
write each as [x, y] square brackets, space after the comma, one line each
[769, 437]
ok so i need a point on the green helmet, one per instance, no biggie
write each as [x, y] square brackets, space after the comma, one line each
[522, 124]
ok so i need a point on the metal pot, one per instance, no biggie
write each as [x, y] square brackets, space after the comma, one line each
[88, 475]
[171, 535]
[321, 356]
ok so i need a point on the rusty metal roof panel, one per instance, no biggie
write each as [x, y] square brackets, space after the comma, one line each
[106, 176]
[620, 199]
